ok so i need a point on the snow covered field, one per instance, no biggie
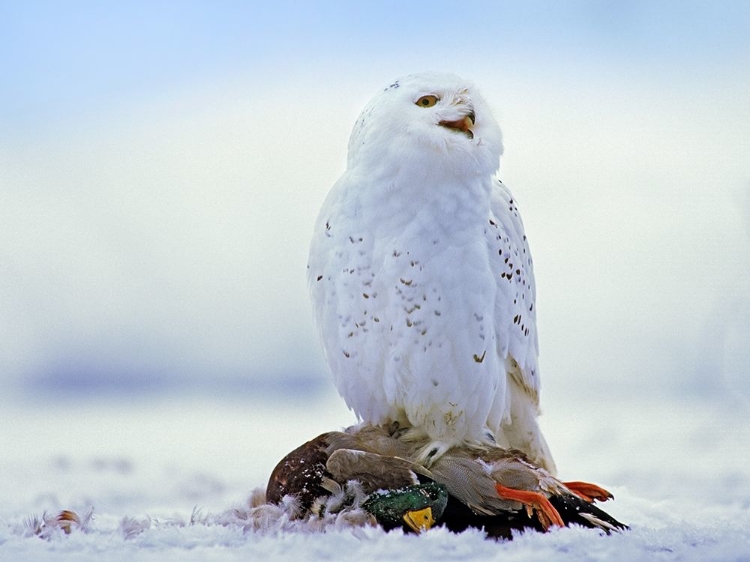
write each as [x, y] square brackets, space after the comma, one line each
[166, 471]
[161, 167]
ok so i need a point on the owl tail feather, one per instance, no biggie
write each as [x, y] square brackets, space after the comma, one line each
[522, 431]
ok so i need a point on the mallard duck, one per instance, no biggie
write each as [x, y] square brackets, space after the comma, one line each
[487, 487]
[322, 467]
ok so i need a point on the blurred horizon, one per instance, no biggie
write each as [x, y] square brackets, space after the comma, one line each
[162, 164]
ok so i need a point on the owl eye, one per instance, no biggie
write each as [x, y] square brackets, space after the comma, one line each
[427, 101]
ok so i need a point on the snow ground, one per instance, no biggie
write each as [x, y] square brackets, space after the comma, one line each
[678, 471]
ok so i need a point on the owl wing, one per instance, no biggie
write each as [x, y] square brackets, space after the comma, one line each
[346, 304]
[515, 304]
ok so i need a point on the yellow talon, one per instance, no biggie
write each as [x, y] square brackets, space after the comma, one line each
[419, 520]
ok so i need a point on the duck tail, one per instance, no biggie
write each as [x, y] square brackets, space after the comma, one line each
[575, 510]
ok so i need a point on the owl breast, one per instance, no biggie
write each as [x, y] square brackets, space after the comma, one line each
[404, 297]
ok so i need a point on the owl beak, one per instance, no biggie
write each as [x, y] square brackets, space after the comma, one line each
[462, 125]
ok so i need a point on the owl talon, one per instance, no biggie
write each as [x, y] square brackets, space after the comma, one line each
[432, 452]
[400, 432]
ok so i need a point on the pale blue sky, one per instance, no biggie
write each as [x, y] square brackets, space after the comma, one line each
[61, 57]
[162, 163]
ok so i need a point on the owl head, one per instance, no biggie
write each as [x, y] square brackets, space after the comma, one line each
[433, 121]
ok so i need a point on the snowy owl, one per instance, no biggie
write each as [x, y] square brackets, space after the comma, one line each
[421, 277]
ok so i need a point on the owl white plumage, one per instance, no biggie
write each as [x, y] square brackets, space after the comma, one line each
[421, 276]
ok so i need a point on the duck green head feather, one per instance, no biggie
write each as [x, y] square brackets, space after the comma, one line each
[417, 507]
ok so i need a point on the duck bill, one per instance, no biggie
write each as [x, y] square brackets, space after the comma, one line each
[419, 520]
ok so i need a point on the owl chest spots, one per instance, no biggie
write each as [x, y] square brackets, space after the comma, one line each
[434, 291]
[409, 294]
